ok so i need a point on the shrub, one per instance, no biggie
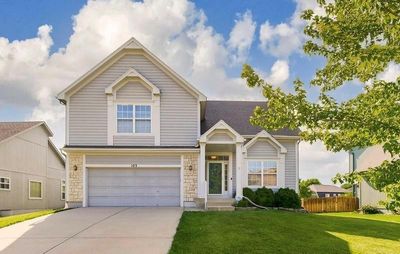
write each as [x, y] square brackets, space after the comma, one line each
[265, 197]
[249, 193]
[287, 198]
[369, 209]
[243, 203]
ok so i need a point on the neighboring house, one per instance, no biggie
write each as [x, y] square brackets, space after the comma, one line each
[325, 191]
[32, 170]
[138, 134]
[361, 160]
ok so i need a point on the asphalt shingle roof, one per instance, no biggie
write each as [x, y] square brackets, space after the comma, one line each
[236, 114]
[327, 188]
[9, 129]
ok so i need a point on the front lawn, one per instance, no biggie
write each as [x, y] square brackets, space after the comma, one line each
[286, 232]
[9, 220]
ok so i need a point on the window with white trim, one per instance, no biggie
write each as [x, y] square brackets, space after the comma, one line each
[133, 118]
[63, 188]
[5, 183]
[35, 189]
[262, 173]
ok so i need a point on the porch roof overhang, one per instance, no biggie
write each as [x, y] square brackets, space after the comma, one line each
[221, 126]
[265, 134]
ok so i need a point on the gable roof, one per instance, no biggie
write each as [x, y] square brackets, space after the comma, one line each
[221, 125]
[327, 188]
[135, 45]
[265, 134]
[57, 151]
[11, 129]
[132, 73]
[237, 114]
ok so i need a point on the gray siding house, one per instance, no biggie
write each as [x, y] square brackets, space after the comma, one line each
[32, 170]
[360, 160]
[138, 134]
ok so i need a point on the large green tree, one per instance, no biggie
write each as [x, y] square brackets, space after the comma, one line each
[358, 39]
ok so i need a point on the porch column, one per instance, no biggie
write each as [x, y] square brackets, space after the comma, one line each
[202, 171]
[239, 171]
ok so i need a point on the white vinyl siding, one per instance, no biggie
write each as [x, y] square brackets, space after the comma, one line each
[290, 163]
[136, 140]
[88, 106]
[262, 149]
[133, 91]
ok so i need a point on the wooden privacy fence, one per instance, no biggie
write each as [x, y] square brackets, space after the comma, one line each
[331, 204]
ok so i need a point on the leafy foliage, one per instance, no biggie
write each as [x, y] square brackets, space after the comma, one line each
[287, 198]
[265, 197]
[368, 209]
[358, 39]
[304, 185]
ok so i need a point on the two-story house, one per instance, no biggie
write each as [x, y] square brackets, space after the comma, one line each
[138, 134]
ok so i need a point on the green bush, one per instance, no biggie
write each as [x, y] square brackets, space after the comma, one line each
[287, 198]
[243, 203]
[249, 193]
[369, 209]
[264, 197]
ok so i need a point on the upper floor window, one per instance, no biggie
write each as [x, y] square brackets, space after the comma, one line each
[133, 118]
[262, 173]
[5, 183]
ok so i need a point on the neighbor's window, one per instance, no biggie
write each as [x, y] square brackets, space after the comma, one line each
[262, 173]
[133, 118]
[63, 189]
[5, 183]
[35, 190]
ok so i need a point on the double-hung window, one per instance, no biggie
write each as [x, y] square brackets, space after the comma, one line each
[5, 183]
[35, 189]
[133, 118]
[262, 173]
[63, 188]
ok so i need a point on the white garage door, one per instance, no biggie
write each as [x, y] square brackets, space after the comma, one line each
[134, 187]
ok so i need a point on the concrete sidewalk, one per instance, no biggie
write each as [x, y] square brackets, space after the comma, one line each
[94, 230]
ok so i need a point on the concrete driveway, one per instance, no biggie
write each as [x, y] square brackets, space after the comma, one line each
[94, 230]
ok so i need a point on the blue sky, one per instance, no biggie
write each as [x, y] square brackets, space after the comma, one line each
[49, 40]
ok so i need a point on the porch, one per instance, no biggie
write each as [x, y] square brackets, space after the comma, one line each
[220, 174]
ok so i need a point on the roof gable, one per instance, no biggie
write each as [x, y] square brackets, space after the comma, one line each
[221, 125]
[264, 134]
[131, 46]
[131, 74]
[9, 130]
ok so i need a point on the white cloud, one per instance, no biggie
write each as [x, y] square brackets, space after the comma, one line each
[241, 37]
[175, 30]
[317, 162]
[279, 41]
[277, 75]
[284, 39]
[391, 73]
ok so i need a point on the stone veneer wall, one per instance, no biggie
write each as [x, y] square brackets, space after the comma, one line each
[190, 177]
[75, 180]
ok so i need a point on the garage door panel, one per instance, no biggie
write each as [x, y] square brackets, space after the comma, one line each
[134, 187]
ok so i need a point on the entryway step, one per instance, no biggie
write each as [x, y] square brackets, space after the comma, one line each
[220, 208]
[221, 202]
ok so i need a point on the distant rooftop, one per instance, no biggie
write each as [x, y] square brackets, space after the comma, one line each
[9, 129]
[327, 188]
[237, 114]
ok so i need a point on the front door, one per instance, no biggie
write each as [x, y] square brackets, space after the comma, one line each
[215, 178]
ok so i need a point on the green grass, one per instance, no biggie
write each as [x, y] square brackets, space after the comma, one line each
[9, 220]
[286, 232]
